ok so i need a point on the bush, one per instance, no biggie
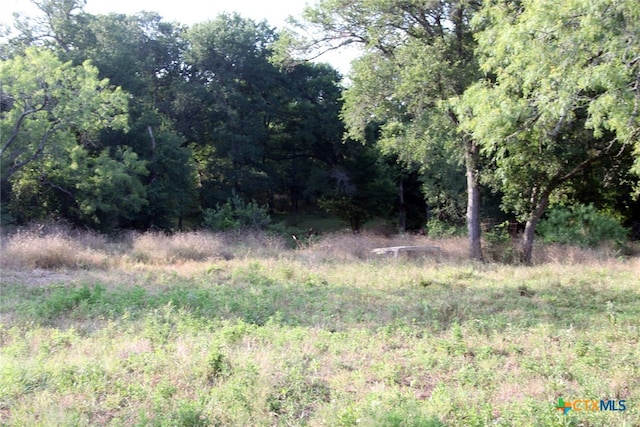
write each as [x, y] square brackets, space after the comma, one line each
[581, 225]
[348, 209]
[439, 229]
[6, 218]
[236, 214]
[499, 246]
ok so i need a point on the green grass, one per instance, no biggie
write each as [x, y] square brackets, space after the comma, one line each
[292, 338]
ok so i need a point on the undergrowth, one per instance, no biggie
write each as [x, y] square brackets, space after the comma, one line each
[326, 335]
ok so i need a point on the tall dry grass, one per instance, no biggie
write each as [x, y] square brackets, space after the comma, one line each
[160, 248]
[350, 247]
[566, 254]
[54, 248]
[60, 247]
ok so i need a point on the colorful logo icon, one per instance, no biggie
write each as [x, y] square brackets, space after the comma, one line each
[580, 405]
[562, 406]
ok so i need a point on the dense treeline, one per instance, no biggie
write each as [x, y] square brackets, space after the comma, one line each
[174, 120]
[130, 121]
[538, 99]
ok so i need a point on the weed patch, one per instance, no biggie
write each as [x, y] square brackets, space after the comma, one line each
[311, 337]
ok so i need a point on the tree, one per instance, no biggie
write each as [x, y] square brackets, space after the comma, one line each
[562, 91]
[54, 114]
[361, 187]
[171, 184]
[108, 188]
[48, 104]
[59, 24]
[418, 56]
[143, 55]
[306, 141]
[240, 91]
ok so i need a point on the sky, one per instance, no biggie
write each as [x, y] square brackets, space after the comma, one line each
[183, 11]
[193, 11]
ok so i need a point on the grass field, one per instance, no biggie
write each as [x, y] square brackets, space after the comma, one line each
[199, 329]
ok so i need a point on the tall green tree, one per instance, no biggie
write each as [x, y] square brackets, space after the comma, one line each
[171, 184]
[229, 59]
[306, 142]
[48, 103]
[58, 25]
[418, 56]
[53, 112]
[361, 187]
[562, 91]
[144, 56]
[141, 53]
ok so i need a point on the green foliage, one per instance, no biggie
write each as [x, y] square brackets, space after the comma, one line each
[499, 245]
[543, 119]
[237, 214]
[581, 225]
[6, 218]
[61, 301]
[229, 58]
[437, 229]
[188, 415]
[217, 365]
[210, 108]
[404, 82]
[346, 208]
[112, 186]
[209, 111]
[139, 52]
[51, 165]
[406, 415]
[171, 185]
[296, 393]
[102, 191]
[52, 105]
[183, 413]
[362, 186]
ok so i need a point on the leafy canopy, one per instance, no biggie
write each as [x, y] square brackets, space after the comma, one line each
[561, 89]
[49, 104]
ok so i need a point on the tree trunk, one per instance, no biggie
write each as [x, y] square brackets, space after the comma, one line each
[402, 220]
[530, 228]
[473, 200]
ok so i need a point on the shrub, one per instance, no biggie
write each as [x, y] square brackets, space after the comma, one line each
[236, 214]
[348, 209]
[6, 218]
[581, 225]
[437, 229]
[499, 246]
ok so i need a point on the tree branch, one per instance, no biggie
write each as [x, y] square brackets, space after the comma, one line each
[43, 141]
[579, 167]
[45, 181]
[16, 128]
